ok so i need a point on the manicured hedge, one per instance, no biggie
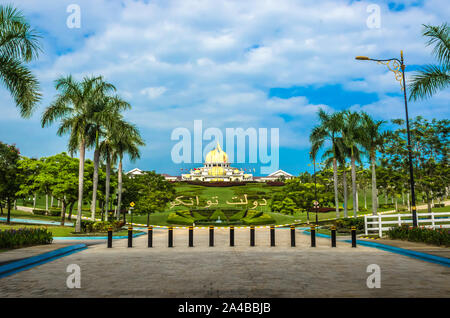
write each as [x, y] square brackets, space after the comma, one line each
[14, 238]
[421, 234]
[260, 220]
[100, 226]
[237, 216]
[39, 212]
[176, 218]
[217, 214]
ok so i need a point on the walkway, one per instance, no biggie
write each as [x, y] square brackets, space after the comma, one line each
[224, 271]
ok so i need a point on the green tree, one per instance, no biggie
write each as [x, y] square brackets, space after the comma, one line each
[19, 44]
[29, 171]
[372, 140]
[432, 78]
[74, 106]
[329, 129]
[105, 114]
[9, 170]
[352, 136]
[125, 140]
[149, 191]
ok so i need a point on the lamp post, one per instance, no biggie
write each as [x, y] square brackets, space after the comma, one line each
[398, 65]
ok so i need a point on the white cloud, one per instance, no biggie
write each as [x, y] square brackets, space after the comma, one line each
[216, 60]
[153, 92]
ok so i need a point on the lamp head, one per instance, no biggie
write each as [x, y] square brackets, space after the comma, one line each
[362, 58]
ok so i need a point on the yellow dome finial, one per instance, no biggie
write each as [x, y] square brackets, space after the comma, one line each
[216, 155]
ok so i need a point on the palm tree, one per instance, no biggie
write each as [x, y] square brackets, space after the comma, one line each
[432, 78]
[372, 138]
[19, 43]
[126, 140]
[328, 130]
[105, 114]
[351, 133]
[74, 106]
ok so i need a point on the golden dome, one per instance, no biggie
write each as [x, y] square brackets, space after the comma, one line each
[217, 156]
[216, 171]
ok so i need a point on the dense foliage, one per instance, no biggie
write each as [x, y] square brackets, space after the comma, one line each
[421, 234]
[12, 238]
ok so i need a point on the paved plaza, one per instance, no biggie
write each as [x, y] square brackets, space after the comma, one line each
[224, 271]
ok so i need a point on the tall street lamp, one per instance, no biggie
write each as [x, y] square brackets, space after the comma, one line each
[395, 65]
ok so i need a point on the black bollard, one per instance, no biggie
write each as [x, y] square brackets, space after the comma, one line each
[191, 236]
[170, 236]
[109, 237]
[333, 236]
[130, 236]
[292, 236]
[353, 236]
[150, 236]
[313, 236]
[252, 235]
[272, 235]
[211, 235]
[231, 235]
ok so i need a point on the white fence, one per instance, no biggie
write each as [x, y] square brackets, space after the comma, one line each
[375, 223]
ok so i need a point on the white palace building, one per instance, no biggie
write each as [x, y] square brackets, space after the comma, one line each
[217, 168]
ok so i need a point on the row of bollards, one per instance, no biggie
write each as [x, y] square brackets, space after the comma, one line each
[252, 236]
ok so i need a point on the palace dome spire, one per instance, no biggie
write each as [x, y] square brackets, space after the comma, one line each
[217, 155]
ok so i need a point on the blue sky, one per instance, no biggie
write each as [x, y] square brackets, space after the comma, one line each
[260, 64]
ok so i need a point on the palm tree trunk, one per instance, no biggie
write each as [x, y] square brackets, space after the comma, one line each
[336, 194]
[107, 185]
[355, 199]
[80, 186]
[119, 195]
[34, 201]
[344, 176]
[365, 199]
[95, 182]
[46, 202]
[51, 202]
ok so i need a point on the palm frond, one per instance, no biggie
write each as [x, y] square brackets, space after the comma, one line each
[440, 38]
[428, 81]
[22, 84]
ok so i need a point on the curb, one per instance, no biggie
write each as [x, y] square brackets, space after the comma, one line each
[95, 237]
[20, 265]
[418, 255]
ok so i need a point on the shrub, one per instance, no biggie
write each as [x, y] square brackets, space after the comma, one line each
[420, 234]
[175, 218]
[260, 220]
[88, 226]
[12, 238]
[345, 225]
[198, 217]
[217, 214]
[39, 212]
[53, 212]
[237, 216]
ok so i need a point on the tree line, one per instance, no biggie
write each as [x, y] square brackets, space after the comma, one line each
[351, 140]
[89, 111]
